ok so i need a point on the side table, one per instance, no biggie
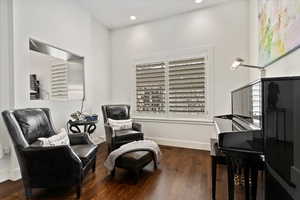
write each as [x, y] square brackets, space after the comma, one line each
[88, 126]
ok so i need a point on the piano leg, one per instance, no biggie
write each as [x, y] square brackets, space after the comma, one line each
[247, 188]
[230, 171]
[213, 177]
[254, 174]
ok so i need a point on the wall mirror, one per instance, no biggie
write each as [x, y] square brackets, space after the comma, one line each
[55, 74]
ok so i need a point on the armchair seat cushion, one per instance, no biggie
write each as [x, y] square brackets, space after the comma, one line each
[85, 151]
[126, 132]
[126, 136]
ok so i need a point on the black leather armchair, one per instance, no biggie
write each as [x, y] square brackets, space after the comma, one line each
[115, 139]
[43, 167]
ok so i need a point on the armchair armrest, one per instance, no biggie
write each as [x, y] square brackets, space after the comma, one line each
[79, 138]
[48, 165]
[54, 152]
[109, 132]
[136, 126]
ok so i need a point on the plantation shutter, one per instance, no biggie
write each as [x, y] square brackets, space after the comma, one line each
[150, 88]
[59, 81]
[187, 85]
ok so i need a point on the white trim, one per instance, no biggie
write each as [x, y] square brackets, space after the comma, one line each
[14, 174]
[10, 174]
[205, 122]
[180, 143]
[3, 175]
[103, 137]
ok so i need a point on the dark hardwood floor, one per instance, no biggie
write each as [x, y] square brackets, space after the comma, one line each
[184, 174]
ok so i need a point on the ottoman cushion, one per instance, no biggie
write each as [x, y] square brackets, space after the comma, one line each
[134, 160]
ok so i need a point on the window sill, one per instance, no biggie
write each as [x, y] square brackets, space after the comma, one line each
[207, 122]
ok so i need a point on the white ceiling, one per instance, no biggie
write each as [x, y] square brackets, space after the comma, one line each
[116, 13]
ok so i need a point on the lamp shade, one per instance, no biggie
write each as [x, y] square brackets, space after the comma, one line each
[236, 63]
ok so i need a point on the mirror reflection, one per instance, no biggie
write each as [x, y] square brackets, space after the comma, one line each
[55, 74]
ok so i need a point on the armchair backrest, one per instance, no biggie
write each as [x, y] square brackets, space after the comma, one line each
[116, 112]
[25, 126]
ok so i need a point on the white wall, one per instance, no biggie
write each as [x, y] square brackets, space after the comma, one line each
[65, 24]
[225, 27]
[6, 81]
[253, 38]
[6, 65]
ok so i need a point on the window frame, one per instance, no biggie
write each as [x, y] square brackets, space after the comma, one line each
[166, 57]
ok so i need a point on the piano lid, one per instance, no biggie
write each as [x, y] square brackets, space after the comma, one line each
[229, 123]
[236, 135]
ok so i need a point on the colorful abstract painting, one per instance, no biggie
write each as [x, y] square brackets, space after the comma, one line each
[279, 29]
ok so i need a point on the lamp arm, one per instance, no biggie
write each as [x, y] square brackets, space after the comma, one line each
[251, 66]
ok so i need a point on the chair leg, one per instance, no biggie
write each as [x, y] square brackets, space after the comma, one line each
[28, 193]
[108, 149]
[78, 191]
[113, 172]
[155, 165]
[137, 176]
[94, 165]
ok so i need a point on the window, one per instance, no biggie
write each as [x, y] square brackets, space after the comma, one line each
[150, 88]
[172, 86]
[187, 86]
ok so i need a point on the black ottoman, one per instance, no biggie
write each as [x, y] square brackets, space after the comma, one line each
[134, 161]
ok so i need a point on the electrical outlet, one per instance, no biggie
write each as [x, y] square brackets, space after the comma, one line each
[6, 150]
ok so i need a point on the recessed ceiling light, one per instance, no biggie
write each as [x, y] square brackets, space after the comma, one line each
[198, 1]
[133, 17]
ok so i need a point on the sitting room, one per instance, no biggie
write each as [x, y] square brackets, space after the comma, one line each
[149, 100]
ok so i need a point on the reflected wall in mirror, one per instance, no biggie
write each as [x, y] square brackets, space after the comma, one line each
[55, 74]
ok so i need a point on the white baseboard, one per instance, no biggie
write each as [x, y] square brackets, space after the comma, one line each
[10, 174]
[15, 174]
[180, 143]
[103, 138]
[3, 175]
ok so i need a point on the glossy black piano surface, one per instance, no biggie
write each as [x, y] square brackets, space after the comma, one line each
[265, 120]
[242, 145]
[239, 136]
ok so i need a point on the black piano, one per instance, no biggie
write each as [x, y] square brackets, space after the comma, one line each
[261, 133]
